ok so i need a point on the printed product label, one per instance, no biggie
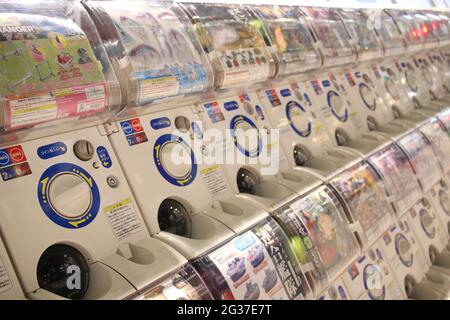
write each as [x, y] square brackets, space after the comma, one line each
[243, 65]
[214, 180]
[5, 282]
[123, 219]
[47, 70]
[152, 88]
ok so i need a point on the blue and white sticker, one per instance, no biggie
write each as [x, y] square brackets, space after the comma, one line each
[104, 157]
[51, 150]
[43, 195]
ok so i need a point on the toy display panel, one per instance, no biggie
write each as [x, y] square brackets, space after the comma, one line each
[364, 38]
[235, 46]
[164, 57]
[364, 195]
[397, 173]
[333, 37]
[259, 264]
[289, 34]
[391, 35]
[440, 141]
[420, 153]
[332, 246]
[49, 66]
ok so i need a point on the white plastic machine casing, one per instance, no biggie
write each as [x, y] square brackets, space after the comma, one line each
[245, 135]
[431, 235]
[72, 202]
[147, 148]
[371, 278]
[411, 69]
[402, 252]
[9, 283]
[329, 93]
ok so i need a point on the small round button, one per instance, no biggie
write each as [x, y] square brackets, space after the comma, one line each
[84, 150]
[70, 195]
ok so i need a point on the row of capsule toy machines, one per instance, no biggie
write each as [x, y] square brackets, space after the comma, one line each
[161, 150]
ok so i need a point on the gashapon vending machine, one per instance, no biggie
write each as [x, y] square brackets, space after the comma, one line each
[79, 234]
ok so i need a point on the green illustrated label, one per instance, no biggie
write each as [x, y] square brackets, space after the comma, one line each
[48, 70]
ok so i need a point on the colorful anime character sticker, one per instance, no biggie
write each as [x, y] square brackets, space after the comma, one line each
[365, 197]
[48, 70]
[323, 217]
